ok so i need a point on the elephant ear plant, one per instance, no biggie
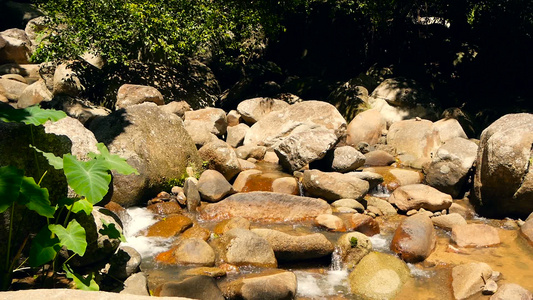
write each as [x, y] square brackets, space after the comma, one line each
[89, 179]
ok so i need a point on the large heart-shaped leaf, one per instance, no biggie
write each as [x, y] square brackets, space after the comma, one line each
[35, 198]
[89, 179]
[44, 248]
[82, 205]
[73, 237]
[54, 161]
[85, 283]
[10, 180]
[113, 161]
[34, 115]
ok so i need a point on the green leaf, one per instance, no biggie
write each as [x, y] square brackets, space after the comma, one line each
[35, 198]
[54, 161]
[73, 237]
[111, 231]
[113, 161]
[89, 179]
[82, 205]
[44, 248]
[10, 181]
[34, 115]
[85, 283]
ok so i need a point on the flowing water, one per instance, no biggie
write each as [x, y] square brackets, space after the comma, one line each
[328, 280]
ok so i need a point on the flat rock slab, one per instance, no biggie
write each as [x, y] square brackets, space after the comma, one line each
[468, 279]
[475, 235]
[417, 196]
[266, 206]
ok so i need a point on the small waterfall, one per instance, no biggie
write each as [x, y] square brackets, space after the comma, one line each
[380, 191]
[301, 188]
[336, 260]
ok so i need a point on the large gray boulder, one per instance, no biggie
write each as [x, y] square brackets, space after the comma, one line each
[366, 127]
[266, 206]
[34, 94]
[503, 183]
[132, 94]
[221, 157]
[212, 119]
[11, 89]
[242, 247]
[451, 166]
[153, 142]
[252, 110]
[333, 186]
[14, 46]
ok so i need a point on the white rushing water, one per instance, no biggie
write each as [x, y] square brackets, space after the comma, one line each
[142, 218]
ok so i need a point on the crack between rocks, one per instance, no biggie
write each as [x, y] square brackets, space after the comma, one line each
[528, 165]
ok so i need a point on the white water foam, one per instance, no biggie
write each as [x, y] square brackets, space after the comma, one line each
[318, 286]
[381, 243]
[142, 218]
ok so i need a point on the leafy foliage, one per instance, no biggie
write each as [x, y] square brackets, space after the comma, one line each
[72, 237]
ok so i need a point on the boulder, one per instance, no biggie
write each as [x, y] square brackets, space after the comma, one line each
[83, 140]
[267, 285]
[201, 135]
[475, 235]
[291, 248]
[378, 276]
[416, 196]
[12, 89]
[196, 287]
[366, 127]
[213, 186]
[448, 221]
[346, 158]
[509, 291]
[233, 117]
[451, 165]
[330, 222]
[352, 247]
[132, 94]
[527, 229]
[194, 251]
[247, 164]
[379, 158]
[251, 151]
[165, 208]
[236, 134]
[286, 185]
[414, 239]
[365, 224]
[213, 119]
[228, 224]
[243, 247]
[136, 284]
[33, 94]
[242, 179]
[176, 107]
[503, 183]
[190, 189]
[383, 205]
[351, 203]
[449, 129]
[221, 157]
[266, 206]
[415, 141]
[153, 142]
[275, 127]
[124, 263]
[373, 179]
[333, 186]
[14, 46]
[252, 110]
[169, 226]
[468, 279]
[304, 144]
[66, 80]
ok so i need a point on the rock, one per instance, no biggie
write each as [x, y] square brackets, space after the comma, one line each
[365, 224]
[132, 94]
[213, 186]
[286, 185]
[62, 294]
[220, 157]
[207, 271]
[351, 203]
[196, 231]
[330, 222]
[83, 140]
[93, 58]
[34, 94]
[243, 247]
[333, 186]
[227, 225]
[252, 110]
[378, 276]
[449, 129]
[450, 167]
[266, 206]
[267, 285]
[124, 263]
[15, 77]
[379, 158]
[14, 46]
[414, 239]
[201, 135]
[165, 208]
[194, 251]
[136, 284]
[352, 248]
[490, 287]
[236, 135]
[273, 128]
[290, 248]
[196, 287]
[213, 119]
[527, 229]
[169, 226]
[448, 221]
[373, 179]
[385, 207]
[190, 189]
[233, 117]
[468, 279]
[416, 196]
[503, 183]
[141, 134]
[251, 151]
[66, 80]
[12, 89]
[510, 291]
[176, 107]
[415, 141]
[247, 165]
[475, 235]
[346, 159]
[304, 144]
[36, 31]
[271, 157]
[366, 127]
[242, 179]
[79, 109]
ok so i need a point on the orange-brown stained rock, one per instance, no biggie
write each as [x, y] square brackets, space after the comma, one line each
[228, 224]
[169, 226]
[196, 232]
[165, 208]
[414, 239]
[166, 257]
[365, 224]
